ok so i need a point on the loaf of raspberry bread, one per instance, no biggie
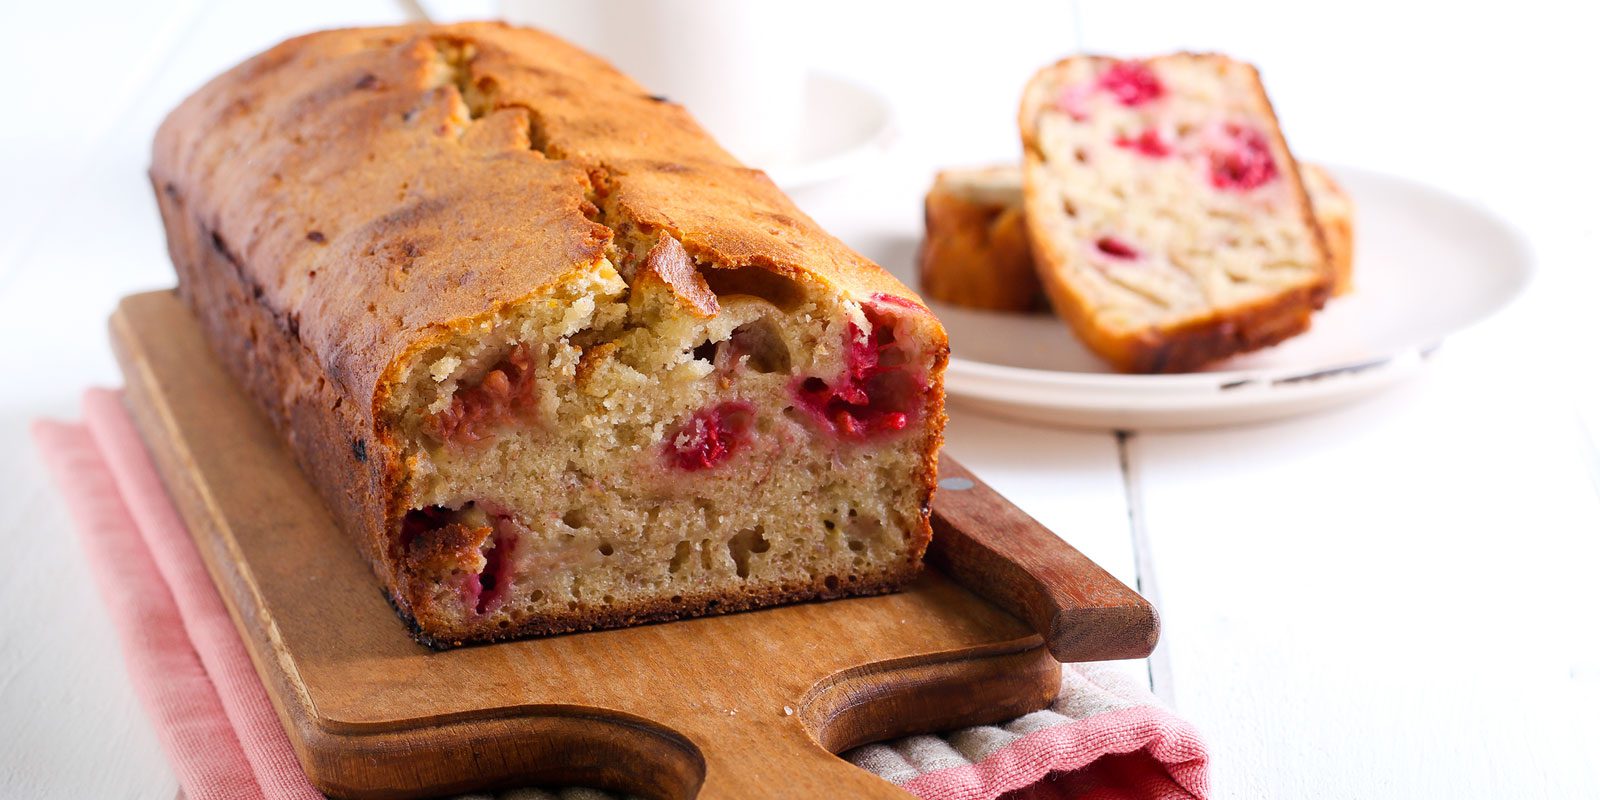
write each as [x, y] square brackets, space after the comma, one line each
[971, 255]
[553, 357]
[1168, 221]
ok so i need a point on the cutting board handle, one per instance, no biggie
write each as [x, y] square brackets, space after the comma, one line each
[996, 550]
[790, 753]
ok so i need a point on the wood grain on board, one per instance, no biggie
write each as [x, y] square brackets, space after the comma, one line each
[736, 706]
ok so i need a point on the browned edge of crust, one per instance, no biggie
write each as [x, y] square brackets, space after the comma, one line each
[1195, 342]
[1340, 235]
[975, 254]
[1336, 220]
[931, 448]
[345, 458]
[710, 603]
[670, 266]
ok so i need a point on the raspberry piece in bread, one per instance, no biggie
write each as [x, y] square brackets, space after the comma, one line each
[970, 258]
[553, 358]
[1168, 221]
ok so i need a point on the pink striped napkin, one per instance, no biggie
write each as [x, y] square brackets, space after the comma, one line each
[1103, 738]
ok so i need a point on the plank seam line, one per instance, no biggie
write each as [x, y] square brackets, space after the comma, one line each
[1159, 663]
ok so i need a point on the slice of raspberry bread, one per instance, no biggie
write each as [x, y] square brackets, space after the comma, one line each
[971, 255]
[553, 357]
[976, 251]
[1168, 221]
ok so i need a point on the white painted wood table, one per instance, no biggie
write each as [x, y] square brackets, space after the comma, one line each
[1396, 599]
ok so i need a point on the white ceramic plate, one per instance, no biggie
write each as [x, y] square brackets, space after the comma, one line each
[1427, 264]
[846, 126]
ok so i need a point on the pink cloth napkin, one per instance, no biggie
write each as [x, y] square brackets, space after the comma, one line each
[1103, 738]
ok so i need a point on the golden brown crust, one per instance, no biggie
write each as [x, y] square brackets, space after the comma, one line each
[976, 252]
[1197, 342]
[677, 607]
[934, 412]
[1335, 213]
[669, 266]
[1191, 343]
[333, 439]
[444, 548]
[349, 198]
[1339, 233]
[590, 361]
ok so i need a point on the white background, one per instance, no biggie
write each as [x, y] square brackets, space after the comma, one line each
[1398, 599]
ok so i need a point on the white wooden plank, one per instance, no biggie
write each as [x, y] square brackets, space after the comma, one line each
[1403, 583]
[1159, 673]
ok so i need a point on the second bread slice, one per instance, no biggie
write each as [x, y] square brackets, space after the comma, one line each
[1169, 224]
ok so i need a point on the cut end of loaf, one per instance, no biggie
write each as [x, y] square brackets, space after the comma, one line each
[661, 440]
[1169, 223]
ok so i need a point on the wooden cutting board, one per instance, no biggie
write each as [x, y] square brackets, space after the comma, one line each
[739, 706]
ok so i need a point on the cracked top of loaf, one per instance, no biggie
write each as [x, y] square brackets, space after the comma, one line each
[379, 188]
